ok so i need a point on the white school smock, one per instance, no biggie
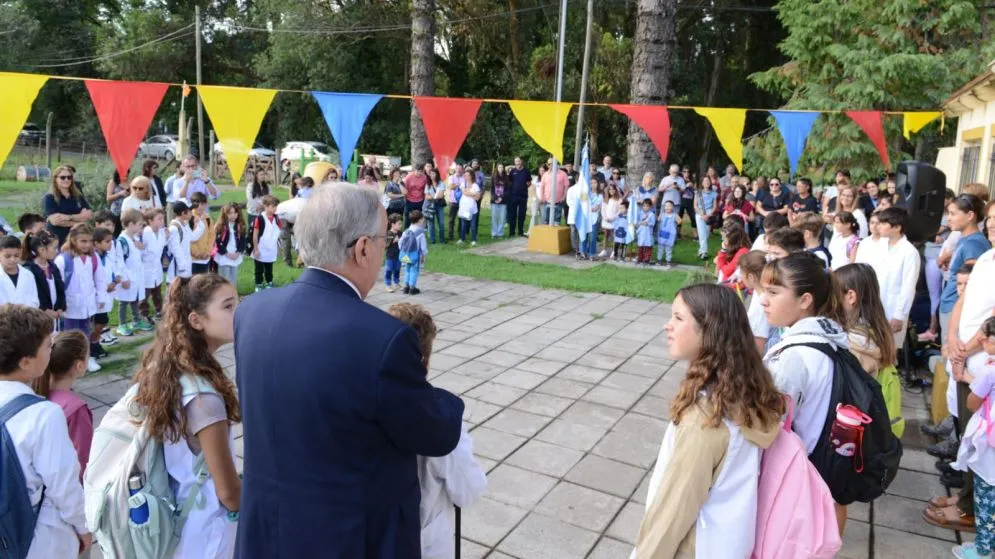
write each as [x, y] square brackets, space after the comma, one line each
[207, 533]
[230, 248]
[24, 293]
[129, 268]
[180, 237]
[837, 251]
[155, 242]
[455, 479]
[871, 251]
[47, 456]
[978, 305]
[269, 241]
[81, 289]
[101, 280]
[897, 277]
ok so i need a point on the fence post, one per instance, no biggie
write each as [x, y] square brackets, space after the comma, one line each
[58, 150]
[82, 152]
[48, 139]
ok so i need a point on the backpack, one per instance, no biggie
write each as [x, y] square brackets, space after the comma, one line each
[121, 449]
[125, 248]
[167, 257]
[409, 241]
[864, 476]
[258, 223]
[795, 513]
[17, 516]
[70, 263]
[891, 390]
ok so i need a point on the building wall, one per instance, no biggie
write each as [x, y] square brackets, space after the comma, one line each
[974, 129]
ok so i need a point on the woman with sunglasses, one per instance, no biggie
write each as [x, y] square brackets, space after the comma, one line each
[141, 195]
[64, 205]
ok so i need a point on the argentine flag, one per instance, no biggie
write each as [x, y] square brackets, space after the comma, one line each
[582, 221]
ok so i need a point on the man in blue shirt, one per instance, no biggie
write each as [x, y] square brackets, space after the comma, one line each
[520, 178]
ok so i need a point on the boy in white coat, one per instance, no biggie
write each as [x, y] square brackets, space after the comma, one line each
[41, 437]
[455, 479]
[17, 283]
[130, 269]
[179, 238]
[898, 270]
[154, 238]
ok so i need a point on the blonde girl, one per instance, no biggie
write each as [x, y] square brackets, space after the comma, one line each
[81, 284]
[609, 213]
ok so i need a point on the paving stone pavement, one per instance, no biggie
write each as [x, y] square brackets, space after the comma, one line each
[567, 399]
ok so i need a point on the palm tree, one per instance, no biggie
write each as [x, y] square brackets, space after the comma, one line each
[654, 44]
[422, 72]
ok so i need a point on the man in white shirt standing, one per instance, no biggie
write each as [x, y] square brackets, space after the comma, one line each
[194, 179]
[899, 270]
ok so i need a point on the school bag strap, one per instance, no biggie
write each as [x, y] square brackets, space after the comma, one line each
[17, 516]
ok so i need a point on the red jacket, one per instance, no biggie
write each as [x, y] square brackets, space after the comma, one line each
[727, 265]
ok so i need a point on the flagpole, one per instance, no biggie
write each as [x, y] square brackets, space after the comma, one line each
[559, 97]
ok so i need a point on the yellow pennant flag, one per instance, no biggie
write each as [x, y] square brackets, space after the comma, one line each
[236, 113]
[17, 94]
[728, 125]
[544, 122]
[913, 122]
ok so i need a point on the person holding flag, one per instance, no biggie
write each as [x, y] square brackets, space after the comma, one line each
[579, 204]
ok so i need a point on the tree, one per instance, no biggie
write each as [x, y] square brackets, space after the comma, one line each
[422, 72]
[653, 46]
[889, 55]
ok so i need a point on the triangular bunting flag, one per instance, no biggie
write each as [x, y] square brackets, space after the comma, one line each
[447, 121]
[870, 123]
[654, 120]
[236, 113]
[913, 122]
[17, 94]
[728, 125]
[345, 114]
[544, 122]
[125, 111]
[794, 127]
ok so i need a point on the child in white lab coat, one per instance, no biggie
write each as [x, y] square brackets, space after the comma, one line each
[455, 479]
[130, 269]
[266, 242]
[17, 283]
[40, 436]
[103, 248]
[78, 266]
[154, 238]
[178, 240]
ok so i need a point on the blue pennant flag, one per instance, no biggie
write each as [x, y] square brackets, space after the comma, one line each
[583, 219]
[794, 127]
[345, 114]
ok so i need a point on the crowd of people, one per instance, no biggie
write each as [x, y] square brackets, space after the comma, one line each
[793, 270]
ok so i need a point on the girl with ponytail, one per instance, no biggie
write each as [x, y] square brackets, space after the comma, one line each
[38, 251]
[70, 358]
[801, 296]
[190, 405]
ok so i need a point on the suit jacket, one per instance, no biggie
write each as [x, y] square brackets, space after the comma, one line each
[335, 408]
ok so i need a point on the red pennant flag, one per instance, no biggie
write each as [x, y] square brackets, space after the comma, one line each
[870, 123]
[125, 111]
[654, 120]
[447, 121]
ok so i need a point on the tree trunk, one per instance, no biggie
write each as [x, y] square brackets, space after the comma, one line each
[422, 72]
[655, 41]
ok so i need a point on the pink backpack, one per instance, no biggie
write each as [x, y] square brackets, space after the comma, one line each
[795, 514]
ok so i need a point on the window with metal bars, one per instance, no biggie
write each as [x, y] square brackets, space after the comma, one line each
[969, 163]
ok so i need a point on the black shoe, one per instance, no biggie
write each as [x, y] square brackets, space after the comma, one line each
[415, 291]
[407, 290]
[943, 429]
[944, 467]
[953, 479]
[943, 449]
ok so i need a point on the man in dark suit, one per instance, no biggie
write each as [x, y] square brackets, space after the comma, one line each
[335, 402]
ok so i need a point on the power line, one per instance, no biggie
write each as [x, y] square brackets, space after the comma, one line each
[178, 34]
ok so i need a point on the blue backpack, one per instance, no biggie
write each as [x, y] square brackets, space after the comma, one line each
[17, 516]
[70, 264]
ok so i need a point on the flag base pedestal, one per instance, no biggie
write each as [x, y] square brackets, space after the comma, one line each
[549, 239]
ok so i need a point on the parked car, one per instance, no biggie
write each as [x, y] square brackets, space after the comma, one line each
[258, 150]
[165, 146]
[30, 134]
[292, 151]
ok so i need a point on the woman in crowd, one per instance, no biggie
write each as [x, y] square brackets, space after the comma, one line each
[150, 170]
[773, 199]
[116, 193]
[254, 193]
[394, 193]
[702, 494]
[869, 201]
[739, 206]
[706, 209]
[141, 197]
[434, 208]
[846, 201]
[64, 205]
[499, 210]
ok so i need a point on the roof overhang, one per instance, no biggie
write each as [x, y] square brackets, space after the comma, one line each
[973, 95]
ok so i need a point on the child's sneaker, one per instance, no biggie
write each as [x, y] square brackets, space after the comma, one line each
[108, 338]
[414, 291]
[968, 550]
[391, 289]
[92, 366]
[473, 243]
[269, 285]
[260, 287]
[143, 326]
[125, 330]
[407, 290]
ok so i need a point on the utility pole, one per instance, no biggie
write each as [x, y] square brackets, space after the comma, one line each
[583, 87]
[200, 104]
[559, 97]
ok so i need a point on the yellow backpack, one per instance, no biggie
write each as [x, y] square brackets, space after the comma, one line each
[891, 389]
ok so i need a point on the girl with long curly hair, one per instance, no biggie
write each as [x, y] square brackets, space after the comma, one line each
[190, 405]
[703, 492]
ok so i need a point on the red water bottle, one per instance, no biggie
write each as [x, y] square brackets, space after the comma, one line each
[847, 433]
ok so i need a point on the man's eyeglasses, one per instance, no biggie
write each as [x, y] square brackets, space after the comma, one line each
[65, 177]
[371, 238]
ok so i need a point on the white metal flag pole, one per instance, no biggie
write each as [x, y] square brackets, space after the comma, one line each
[559, 97]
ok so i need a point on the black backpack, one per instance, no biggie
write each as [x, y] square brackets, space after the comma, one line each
[864, 476]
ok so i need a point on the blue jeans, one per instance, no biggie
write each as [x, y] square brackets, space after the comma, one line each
[558, 214]
[408, 207]
[703, 231]
[412, 269]
[475, 225]
[464, 228]
[392, 271]
[499, 214]
[591, 242]
[439, 212]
